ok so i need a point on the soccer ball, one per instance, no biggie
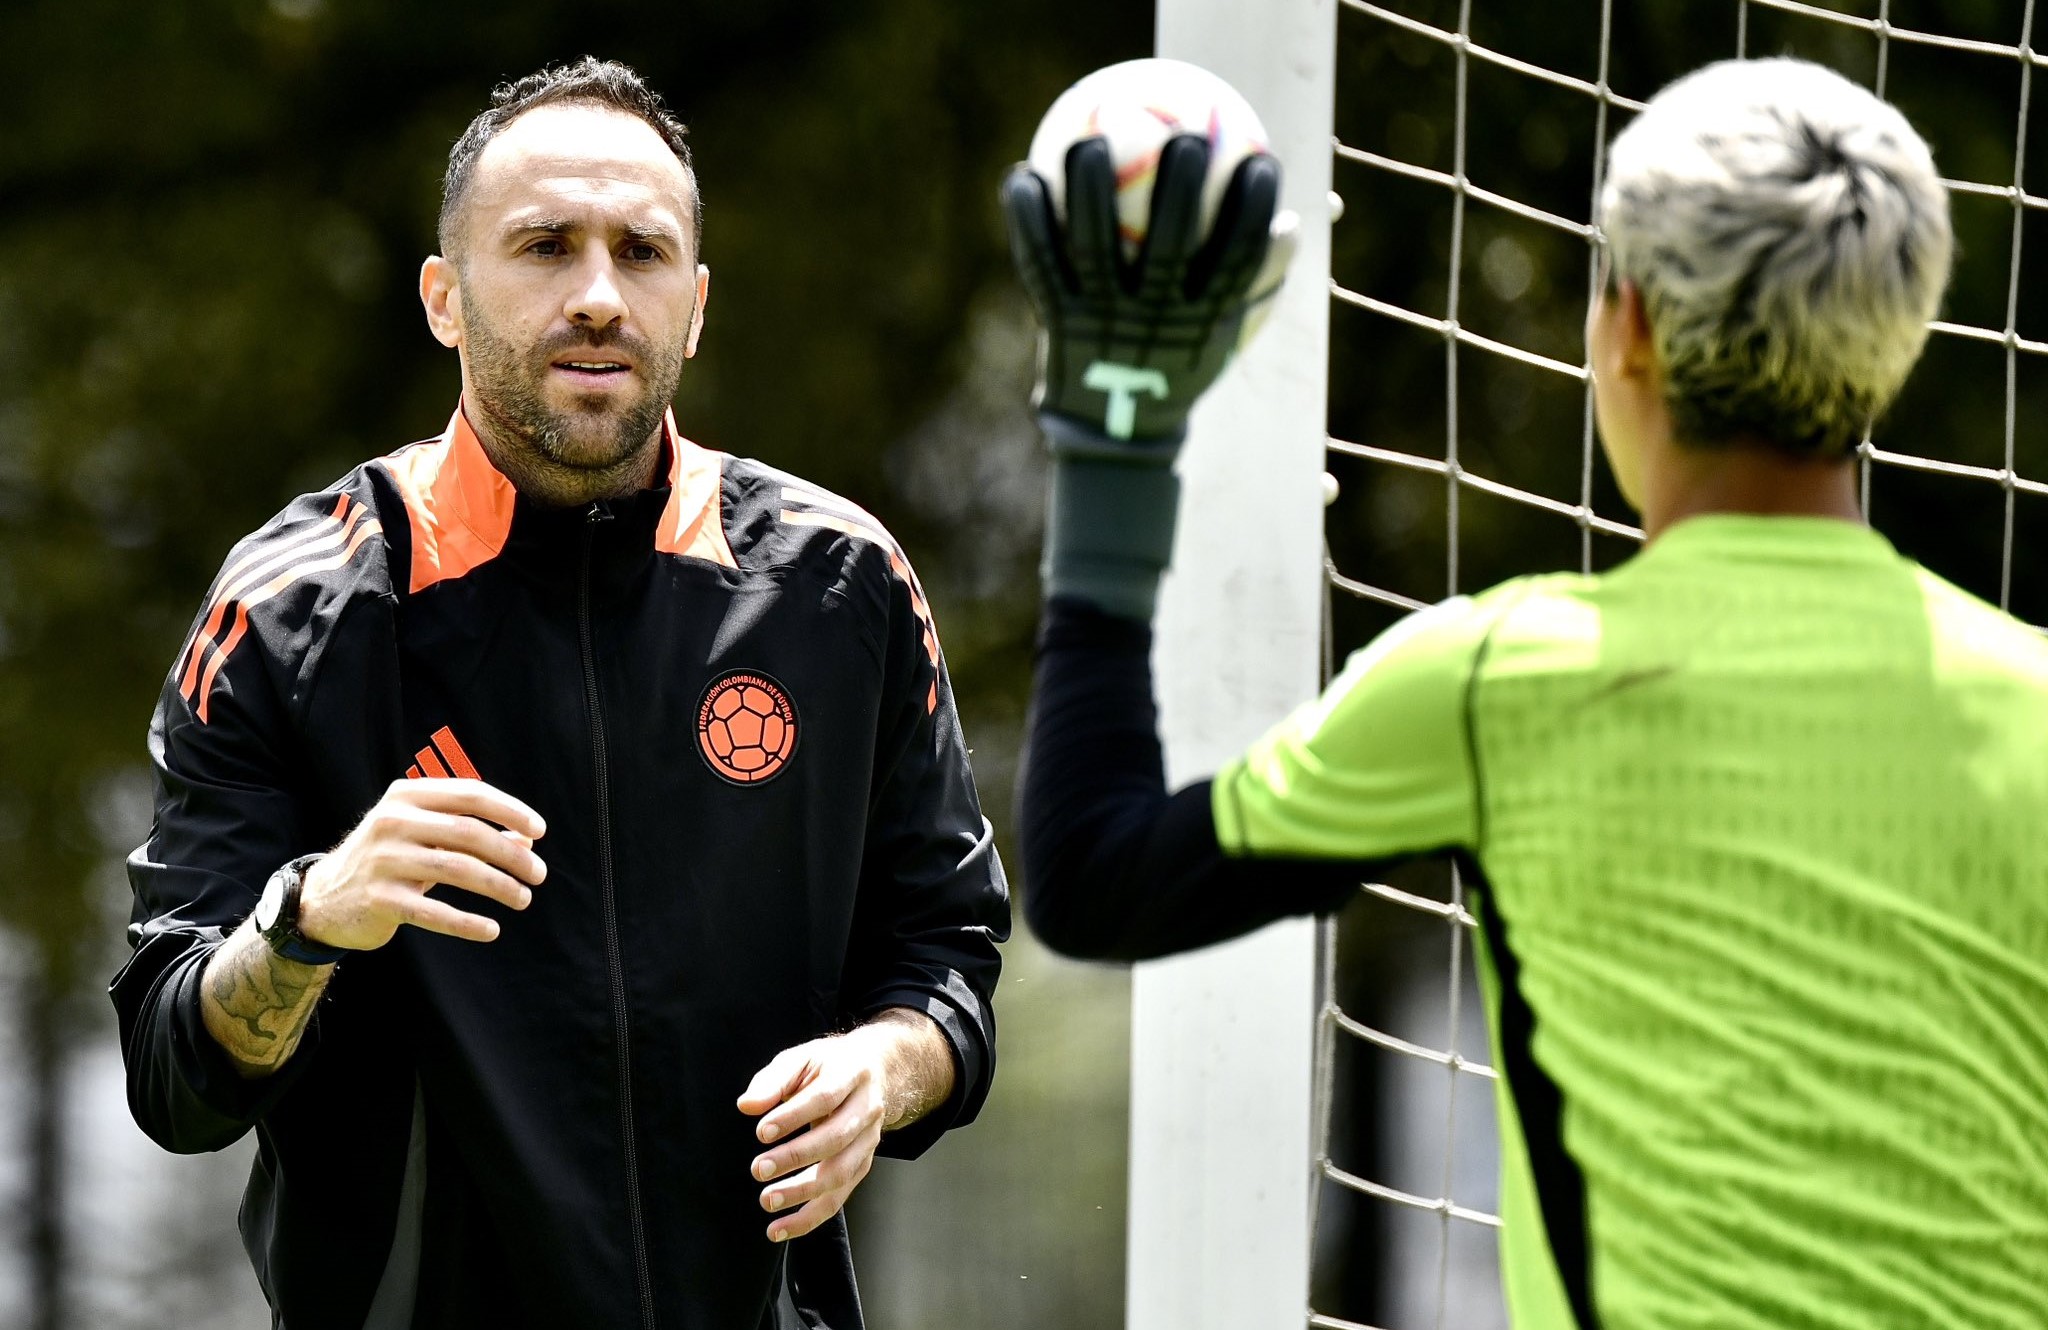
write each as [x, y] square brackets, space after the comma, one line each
[1138, 105]
[747, 730]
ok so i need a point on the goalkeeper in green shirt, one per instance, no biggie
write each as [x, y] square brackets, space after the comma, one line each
[1757, 817]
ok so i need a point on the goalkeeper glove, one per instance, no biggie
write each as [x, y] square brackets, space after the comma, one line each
[1128, 347]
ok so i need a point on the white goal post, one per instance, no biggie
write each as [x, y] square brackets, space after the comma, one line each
[1222, 1041]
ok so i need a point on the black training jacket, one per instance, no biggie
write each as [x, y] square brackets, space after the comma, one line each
[726, 697]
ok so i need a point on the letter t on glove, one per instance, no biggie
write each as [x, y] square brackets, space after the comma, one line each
[1128, 347]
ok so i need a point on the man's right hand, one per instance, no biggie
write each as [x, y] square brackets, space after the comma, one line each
[421, 834]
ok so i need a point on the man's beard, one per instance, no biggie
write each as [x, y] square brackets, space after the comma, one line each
[508, 385]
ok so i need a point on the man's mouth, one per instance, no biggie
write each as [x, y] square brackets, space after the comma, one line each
[593, 370]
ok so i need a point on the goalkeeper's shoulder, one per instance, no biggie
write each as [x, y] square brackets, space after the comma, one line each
[1411, 685]
[1449, 638]
[1417, 679]
[1380, 764]
[1970, 634]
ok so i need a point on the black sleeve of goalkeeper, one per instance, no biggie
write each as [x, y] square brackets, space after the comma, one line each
[1114, 867]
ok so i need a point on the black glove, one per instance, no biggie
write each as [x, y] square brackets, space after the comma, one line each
[1129, 346]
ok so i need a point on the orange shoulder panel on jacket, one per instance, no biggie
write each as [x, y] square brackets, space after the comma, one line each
[458, 504]
[693, 522]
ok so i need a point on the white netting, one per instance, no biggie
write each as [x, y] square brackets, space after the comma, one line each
[1405, 1153]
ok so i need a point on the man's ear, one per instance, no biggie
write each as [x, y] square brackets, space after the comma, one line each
[442, 298]
[1636, 347]
[697, 314]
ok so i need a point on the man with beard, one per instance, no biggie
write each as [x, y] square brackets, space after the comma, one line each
[667, 729]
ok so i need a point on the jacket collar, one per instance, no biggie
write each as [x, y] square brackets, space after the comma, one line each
[461, 506]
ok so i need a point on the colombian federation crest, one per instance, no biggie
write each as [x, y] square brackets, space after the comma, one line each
[746, 727]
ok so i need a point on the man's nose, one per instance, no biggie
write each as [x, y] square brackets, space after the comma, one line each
[596, 299]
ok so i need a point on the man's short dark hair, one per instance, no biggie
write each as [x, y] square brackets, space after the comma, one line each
[589, 81]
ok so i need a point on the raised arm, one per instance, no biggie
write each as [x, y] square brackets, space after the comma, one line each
[1114, 865]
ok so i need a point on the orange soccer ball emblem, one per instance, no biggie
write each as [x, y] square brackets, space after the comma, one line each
[746, 727]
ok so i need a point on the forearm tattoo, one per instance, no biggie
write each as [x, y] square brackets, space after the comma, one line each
[257, 1003]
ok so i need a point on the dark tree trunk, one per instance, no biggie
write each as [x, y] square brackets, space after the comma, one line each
[43, 1207]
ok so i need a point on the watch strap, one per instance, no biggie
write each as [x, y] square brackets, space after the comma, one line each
[283, 935]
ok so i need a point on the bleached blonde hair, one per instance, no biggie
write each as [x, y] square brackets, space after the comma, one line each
[1790, 238]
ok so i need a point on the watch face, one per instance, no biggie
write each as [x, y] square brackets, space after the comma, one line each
[268, 904]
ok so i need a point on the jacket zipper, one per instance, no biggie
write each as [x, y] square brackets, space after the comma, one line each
[613, 956]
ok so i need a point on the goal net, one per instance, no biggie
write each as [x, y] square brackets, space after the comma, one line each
[1469, 148]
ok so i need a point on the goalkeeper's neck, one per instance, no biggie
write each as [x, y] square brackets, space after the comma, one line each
[1743, 476]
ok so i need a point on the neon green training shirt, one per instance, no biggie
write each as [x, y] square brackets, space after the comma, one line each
[1761, 821]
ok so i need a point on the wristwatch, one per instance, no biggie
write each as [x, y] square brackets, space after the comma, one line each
[277, 917]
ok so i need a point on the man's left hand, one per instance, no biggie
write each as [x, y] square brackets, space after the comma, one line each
[847, 1089]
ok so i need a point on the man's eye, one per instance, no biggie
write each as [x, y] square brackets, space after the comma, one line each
[642, 253]
[547, 249]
